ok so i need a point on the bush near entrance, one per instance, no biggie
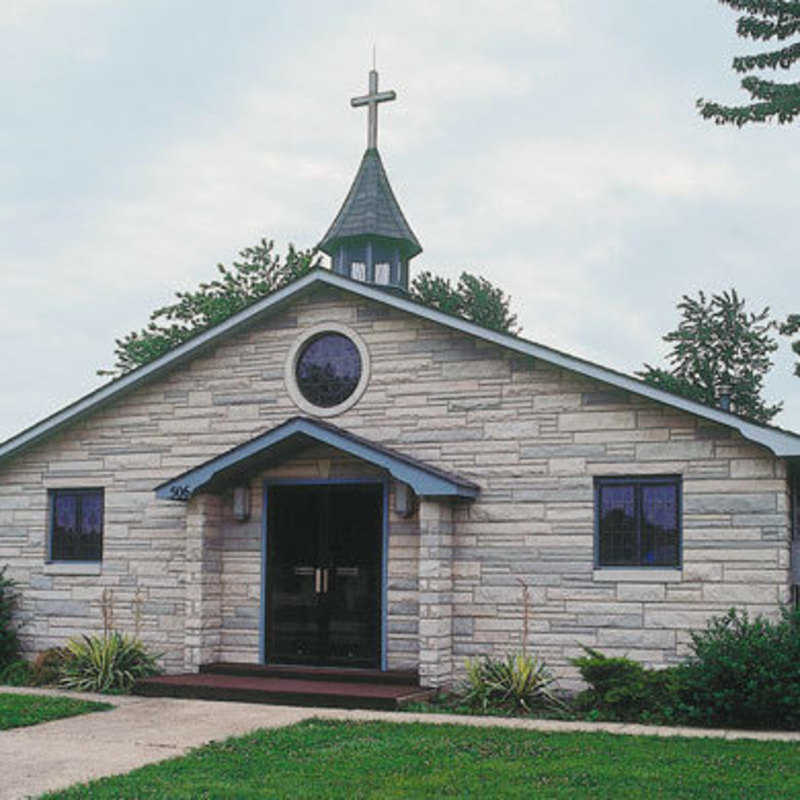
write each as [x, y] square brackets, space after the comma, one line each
[742, 673]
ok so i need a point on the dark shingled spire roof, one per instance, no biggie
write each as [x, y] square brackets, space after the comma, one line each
[370, 209]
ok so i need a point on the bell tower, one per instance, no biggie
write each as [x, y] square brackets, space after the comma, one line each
[370, 239]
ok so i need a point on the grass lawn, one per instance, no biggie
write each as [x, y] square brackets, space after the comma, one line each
[18, 710]
[327, 759]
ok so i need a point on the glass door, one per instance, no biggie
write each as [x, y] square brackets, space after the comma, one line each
[324, 574]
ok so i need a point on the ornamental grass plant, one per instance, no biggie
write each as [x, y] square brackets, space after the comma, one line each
[517, 683]
[111, 663]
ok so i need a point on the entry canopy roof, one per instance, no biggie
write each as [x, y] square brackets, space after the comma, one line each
[298, 433]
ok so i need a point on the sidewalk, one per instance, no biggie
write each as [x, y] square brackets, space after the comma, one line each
[143, 730]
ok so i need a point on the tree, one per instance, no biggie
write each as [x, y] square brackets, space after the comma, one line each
[789, 328]
[764, 20]
[716, 343]
[473, 298]
[259, 272]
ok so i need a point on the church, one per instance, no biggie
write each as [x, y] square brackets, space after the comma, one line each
[339, 477]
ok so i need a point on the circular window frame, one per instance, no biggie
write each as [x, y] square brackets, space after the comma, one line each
[290, 369]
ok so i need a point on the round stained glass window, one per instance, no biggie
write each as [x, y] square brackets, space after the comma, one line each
[328, 370]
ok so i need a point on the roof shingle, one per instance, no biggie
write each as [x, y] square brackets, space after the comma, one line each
[370, 209]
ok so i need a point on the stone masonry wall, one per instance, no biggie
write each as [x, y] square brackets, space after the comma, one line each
[531, 435]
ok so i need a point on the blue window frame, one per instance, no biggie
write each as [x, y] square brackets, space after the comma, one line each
[76, 524]
[638, 521]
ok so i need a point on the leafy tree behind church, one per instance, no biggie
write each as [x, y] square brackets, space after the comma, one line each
[259, 272]
[719, 343]
[763, 21]
[790, 328]
[473, 298]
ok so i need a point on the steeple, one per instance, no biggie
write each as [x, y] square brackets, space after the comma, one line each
[370, 239]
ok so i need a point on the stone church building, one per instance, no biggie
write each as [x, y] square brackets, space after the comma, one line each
[340, 476]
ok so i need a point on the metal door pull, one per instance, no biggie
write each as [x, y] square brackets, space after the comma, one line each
[347, 572]
[304, 570]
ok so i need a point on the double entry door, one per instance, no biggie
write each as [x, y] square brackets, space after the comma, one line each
[324, 559]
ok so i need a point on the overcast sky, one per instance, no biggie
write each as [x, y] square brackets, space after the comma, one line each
[552, 146]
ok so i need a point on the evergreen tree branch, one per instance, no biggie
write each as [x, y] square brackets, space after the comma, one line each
[779, 102]
[765, 8]
[764, 30]
[783, 58]
[784, 108]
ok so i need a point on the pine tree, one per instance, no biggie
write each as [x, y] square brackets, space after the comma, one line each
[763, 20]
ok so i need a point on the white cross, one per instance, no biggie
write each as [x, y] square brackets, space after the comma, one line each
[372, 99]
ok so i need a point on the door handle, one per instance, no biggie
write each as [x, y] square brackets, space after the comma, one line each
[325, 574]
[318, 580]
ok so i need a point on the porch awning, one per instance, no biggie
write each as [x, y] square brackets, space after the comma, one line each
[297, 434]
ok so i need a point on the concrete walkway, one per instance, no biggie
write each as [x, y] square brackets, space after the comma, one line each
[143, 730]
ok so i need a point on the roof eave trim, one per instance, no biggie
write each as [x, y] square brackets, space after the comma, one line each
[141, 375]
[780, 443]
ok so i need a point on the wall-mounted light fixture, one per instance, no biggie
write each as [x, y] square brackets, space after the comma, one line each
[241, 503]
[404, 499]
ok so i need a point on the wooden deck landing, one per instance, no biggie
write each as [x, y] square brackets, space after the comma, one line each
[291, 686]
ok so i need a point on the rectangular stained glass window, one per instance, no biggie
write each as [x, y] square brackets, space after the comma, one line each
[76, 524]
[638, 521]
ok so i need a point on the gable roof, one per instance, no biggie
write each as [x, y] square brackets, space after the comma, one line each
[298, 433]
[370, 209]
[780, 442]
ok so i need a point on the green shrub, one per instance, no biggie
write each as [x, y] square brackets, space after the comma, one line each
[626, 690]
[46, 668]
[9, 643]
[16, 673]
[110, 663]
[519, 682]
[745, 672]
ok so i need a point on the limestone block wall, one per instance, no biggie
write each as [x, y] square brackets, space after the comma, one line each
[534, 530]
[533, 437]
